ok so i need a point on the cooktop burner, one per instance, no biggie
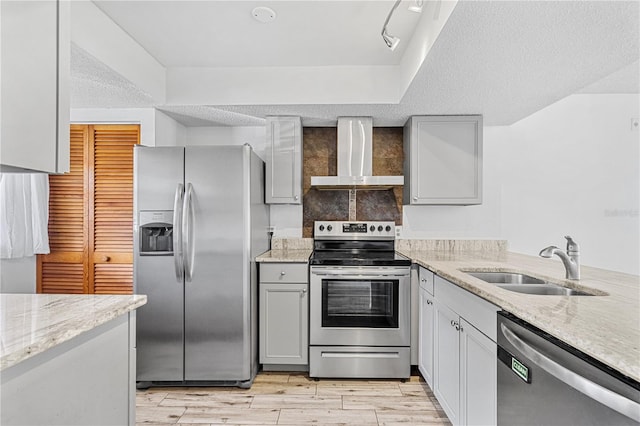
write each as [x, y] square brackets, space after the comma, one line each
[359, 258]
[370, 243]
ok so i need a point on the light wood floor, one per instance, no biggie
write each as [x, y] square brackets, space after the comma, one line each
[294, 399]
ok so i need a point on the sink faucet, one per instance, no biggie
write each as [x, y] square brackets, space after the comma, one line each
[570, 259]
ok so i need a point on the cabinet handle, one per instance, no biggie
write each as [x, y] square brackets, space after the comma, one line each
[106, 258]
[283, 273]
[295, 197]
[429, 302]
[415, 198]
[456, 325]
[424, 280]
[304, 290]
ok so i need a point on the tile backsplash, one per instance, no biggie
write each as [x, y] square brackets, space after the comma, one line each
[319, 153]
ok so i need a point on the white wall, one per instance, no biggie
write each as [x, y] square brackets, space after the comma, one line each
[168, 132]
[146, 117]
[573, 169]
[18, 275]
[254, 136]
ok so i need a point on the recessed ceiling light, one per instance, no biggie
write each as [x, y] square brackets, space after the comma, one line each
[263, 14]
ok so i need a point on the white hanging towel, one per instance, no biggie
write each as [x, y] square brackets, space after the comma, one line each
[24, 214]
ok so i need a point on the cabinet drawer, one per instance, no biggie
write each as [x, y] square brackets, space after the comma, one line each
[284, 272]
[426, 280]
[477, 311]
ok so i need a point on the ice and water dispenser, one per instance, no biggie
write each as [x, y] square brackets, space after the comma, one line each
[156, 233]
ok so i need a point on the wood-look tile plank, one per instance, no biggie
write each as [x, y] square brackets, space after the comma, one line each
[301, 378]
[280, 389]
[272, 377]
[414, 389]
[327, 417]
[419, 417]
[149, 399]
[257, 416]
[297, 401]
[355, 388]
[145, 415]
[400, 403]
[206, 399]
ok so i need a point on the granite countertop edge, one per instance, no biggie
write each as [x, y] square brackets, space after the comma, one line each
[34, 323]
[285, 256]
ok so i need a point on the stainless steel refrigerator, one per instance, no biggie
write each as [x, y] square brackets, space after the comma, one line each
[200, 221]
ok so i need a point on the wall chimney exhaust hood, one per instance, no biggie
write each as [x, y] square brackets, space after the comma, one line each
[355, 153]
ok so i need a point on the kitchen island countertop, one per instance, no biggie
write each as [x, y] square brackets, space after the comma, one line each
[605, 326]
[33, 323]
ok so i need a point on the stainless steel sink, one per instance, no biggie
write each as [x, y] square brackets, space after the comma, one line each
[543, 289]
[523, 283]
[506, 278]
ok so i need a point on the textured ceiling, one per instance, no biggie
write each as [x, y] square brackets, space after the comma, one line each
[503, 59]
[224, 34]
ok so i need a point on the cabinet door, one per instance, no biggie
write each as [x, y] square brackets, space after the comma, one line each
[284, 313]
[425, 338]
[445, 154]
[478, 373]
[446, 367]
[284, 160]
[34, 88]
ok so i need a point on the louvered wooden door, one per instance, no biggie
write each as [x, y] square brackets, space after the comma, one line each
[65, 269]
[92, 243]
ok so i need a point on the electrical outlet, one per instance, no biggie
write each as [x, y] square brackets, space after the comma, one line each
[398, 231]
[271, 229]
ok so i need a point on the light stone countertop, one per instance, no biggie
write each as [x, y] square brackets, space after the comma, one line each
[32, 323]
[606, 327]
[285, 256]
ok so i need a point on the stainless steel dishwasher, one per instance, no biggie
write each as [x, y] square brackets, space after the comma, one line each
[543, 381]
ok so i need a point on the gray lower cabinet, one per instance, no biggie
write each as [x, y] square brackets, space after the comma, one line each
[87, 380]
[425, 335]
[443, 160]
[284, 315]
[464, 355]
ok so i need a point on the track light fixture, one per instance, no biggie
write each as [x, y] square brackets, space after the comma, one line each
[390, 40]
[417, 7]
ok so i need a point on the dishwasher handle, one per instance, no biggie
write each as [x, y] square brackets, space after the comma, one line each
[615, 401]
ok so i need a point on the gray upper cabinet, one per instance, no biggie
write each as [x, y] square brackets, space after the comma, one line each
[443, 160]
[284, 160]
[35, 86]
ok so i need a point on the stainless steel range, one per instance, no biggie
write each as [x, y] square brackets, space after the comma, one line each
[359, 302]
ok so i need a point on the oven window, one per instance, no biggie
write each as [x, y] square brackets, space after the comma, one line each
[360, 303]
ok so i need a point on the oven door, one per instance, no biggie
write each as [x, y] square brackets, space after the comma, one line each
[360, 306]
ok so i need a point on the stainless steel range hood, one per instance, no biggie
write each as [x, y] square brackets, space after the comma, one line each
[355, 155]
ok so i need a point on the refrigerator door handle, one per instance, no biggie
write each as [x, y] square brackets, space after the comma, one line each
[187, 233]
[591, 389]
[177, 233]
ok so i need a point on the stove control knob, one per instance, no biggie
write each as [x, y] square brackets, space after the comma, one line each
[380, 228]
[321, 227]
[388, 228]
[373, 228]
[329, 228]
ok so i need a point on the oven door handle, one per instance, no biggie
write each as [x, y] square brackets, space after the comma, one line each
[361, 272]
